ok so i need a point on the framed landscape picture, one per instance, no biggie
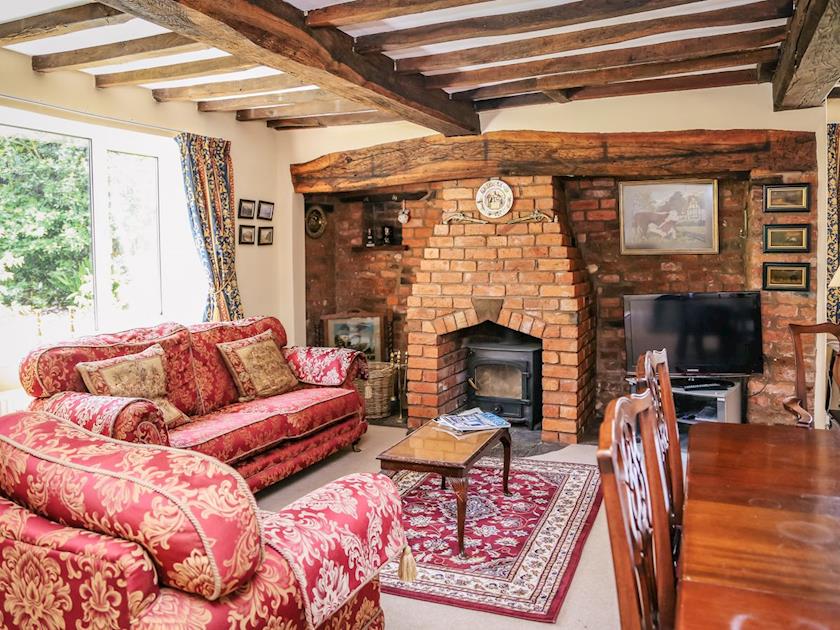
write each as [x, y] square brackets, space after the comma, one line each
[247, 208]
[265, 210]
[786, 277]
[358, 331]
[247, 234]
[787, 198]
[265, 236]
[669, 217]
[787, 239]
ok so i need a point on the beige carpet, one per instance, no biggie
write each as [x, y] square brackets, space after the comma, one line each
[590, 603]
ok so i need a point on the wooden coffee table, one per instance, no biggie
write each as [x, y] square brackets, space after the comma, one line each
[431, 449]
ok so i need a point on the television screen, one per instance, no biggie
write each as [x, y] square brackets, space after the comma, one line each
[704, 333]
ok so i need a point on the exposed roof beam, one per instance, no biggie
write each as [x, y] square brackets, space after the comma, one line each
[274, 34]
[810, 64]
[206, 67]
[60, 23]
[335, 106]
[629, 88]
[120, 52]
[372, 10]
[308, 122]
[667, 51]
[622, 73]
[240, 87]
[508, 23]
[835, 93]
[558, 96]
[264, 100]
[600, 36]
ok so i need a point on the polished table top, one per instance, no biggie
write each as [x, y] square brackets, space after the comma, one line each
[761, 529]
[432, 444]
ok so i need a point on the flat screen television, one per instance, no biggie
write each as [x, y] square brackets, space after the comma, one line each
[704, 333]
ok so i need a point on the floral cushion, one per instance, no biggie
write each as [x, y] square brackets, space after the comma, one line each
[257, 366]
[326, 367]
[141, 375]
[194, 516]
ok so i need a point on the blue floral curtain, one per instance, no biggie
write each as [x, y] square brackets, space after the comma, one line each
[833, 242]
[208, 181]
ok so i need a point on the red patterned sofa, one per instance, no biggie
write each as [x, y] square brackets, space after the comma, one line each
[100, 533]
[265, 439]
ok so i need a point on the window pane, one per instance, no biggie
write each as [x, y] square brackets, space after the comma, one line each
[46, 279]
[134, 289]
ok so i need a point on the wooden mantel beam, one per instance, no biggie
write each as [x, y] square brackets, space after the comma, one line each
[500, 153]
[274, 34]
[810, 63]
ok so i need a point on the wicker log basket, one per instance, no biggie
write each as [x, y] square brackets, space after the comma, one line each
[377, 390]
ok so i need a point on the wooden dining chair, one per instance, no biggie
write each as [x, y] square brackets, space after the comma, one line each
[797, 405]
[664, 451]
[638, 526]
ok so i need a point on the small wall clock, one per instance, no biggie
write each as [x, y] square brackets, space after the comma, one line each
[494, 199]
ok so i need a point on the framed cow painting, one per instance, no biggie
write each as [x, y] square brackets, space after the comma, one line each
[669, 217]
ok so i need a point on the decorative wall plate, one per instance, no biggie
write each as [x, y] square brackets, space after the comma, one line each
[494, 198]
[315, 221]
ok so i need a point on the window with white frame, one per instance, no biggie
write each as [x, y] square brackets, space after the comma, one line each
[94, 233]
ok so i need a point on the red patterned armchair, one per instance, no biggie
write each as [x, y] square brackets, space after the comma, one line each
[100, 533]
[265, 439]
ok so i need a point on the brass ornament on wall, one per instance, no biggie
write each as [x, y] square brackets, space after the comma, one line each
[315, 220]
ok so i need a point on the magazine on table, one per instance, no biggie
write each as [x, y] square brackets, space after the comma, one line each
[473, 420]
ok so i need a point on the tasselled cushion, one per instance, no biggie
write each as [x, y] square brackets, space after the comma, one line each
[141, 375]
[257, 366]
[195, 516]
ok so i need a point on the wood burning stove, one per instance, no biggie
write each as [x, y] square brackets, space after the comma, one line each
[505, 377]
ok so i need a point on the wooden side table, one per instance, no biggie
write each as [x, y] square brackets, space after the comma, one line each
[432, 449]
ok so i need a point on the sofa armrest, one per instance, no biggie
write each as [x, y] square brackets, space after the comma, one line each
[326, 367]
[337, 538]
[129, 419]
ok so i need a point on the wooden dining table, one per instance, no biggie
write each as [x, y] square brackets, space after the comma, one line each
[761, 529]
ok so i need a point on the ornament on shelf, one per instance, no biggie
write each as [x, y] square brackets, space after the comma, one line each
[387, 235]
[494, 199]
[404, 216]
[369, 240]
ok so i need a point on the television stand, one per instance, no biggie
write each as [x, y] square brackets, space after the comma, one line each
[708, 399]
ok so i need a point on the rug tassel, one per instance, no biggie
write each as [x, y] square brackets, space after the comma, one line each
[408, 566]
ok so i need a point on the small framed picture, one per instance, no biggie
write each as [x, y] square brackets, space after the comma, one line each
[265, 211]
[247, 209]
[266, 236]
[247, 234]
[786, 277]
[787, 198]
[355, 330]
[787, 239]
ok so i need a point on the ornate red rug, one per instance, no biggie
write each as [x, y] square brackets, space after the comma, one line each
[522, 549]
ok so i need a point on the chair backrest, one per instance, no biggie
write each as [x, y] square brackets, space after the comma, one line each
[652, 368]
[801, 387]
[642, 558]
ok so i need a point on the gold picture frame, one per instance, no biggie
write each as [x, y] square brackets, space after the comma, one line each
[787, 198]
[790, 238]
[668, 216]
[786, 276]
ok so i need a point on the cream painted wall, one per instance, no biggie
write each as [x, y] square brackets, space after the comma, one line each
[253, 147]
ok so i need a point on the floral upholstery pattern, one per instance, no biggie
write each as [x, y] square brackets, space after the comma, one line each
[336, 539]
[215, 384]
[54, 577]
[129, 419]
[242, 429]
[141, 375]
[52, 369]
[195, 517]
[327, 367]
[257, 366]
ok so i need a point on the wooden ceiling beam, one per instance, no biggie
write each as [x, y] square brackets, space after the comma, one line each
[623, 73]
[630, 88]
[810, 64]
[310, 122]
[835, 93]
[361, 11]
[273, 33]
[239, 87]
[508, 23]
[60, 23]
[667, 51]
[189, 70]
[315, 108]
[120, 52]
[600, 36]
[264, 100]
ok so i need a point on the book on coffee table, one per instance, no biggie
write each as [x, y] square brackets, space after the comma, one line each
[476, 421]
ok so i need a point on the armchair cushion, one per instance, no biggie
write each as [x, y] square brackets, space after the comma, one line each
[244, 429]
[257, 366]
[195, 517]
[59, 577]
[336, 539]
[327, 367]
